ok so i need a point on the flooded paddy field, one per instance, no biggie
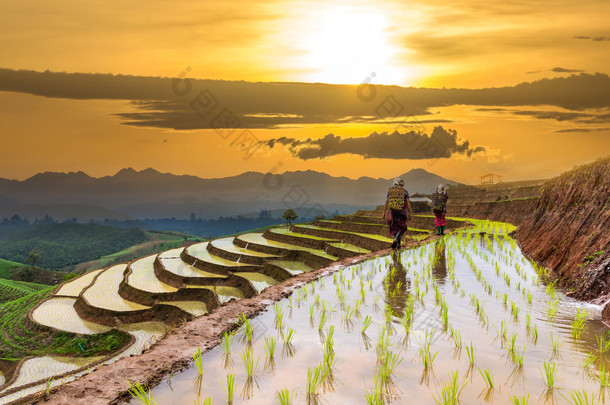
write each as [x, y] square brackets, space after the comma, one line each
[465, 317]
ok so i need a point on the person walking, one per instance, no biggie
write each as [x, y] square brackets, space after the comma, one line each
[439, 203]
[397, 211]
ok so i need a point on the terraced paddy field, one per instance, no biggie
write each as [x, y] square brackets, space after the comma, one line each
[134, 304]
[465, 319]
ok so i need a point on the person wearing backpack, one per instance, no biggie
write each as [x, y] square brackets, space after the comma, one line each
[397, 211]
[439, 202]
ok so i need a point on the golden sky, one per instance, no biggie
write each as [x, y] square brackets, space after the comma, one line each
[470, 44]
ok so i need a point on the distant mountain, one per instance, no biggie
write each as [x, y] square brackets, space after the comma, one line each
[149, 193]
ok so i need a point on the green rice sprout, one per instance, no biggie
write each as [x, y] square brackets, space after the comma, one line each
[141, 392]
[524, 400]
[198, 358]
[315, 378]
[556, 343]
[457, 338]
[518, 357]
[604, 377]
[551, 290]
[550, 374]
[579, 323]
[248, 330]
[227, 342]
[284, 397]
[427, 357]
[553, 307]
[534, 333]
[366, 323]
[322, 321]
[580, 397]
[288, 335]
[247, 357]
[603, 344]
[230, 388]
[451, 391]
[589, 360]
[470, 353]
[514, 310]
[270, 346]
[487, 377]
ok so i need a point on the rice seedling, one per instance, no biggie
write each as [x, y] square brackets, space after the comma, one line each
[528, 295]
[556, 343]
[511, 343]
[524, 400]
[589, 360]
[457, 338]
[487, 377]
[604, 378]
[349, 313]
[451, 391]
[141, 392]
[322, 320]
[284, 397]
[230, 388]
[270, 346]
[505, 299]
[315, 378]
[550, 374]
[288, 335]
[514, 310]
[551, 290]
[470, 353]
[366, 323]
[579, 323]
[245, 323]
[580, 397]
[603, 343]
[553, 307]
[198, 358]
[534, 333]
[227, 342]
[312, 308]
[247, 356]
[517, 357]
[426, 356]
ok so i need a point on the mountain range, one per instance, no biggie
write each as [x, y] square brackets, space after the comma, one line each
[131, 194]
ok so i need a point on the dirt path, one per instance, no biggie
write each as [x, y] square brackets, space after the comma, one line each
[108, 384]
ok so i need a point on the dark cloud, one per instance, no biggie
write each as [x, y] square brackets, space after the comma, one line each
[570, 130]
[557, 70]
[564, 70]
[441, 143]
[163, 102]
[580, 117]
[597, 39]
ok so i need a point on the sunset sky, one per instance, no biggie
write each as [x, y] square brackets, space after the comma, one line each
[398, 75]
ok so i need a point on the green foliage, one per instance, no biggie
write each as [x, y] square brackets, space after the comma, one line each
[11, 290]
[20, 337]
[61, 245]
[289, 215]
[23, 272]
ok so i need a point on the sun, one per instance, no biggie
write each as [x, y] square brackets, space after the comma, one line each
[349, 44]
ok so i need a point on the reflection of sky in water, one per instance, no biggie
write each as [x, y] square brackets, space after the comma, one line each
[356, 354]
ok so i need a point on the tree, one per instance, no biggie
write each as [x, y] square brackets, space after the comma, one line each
[33, 257]
[290, 215]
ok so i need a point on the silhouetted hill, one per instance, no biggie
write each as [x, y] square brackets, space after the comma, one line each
[149, 193]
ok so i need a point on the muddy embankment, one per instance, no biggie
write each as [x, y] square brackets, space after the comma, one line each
[562, 223]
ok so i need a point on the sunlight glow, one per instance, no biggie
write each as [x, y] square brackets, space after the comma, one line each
[346, 44]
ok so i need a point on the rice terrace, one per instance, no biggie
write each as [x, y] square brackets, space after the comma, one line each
[319, 202]
[315, 313]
